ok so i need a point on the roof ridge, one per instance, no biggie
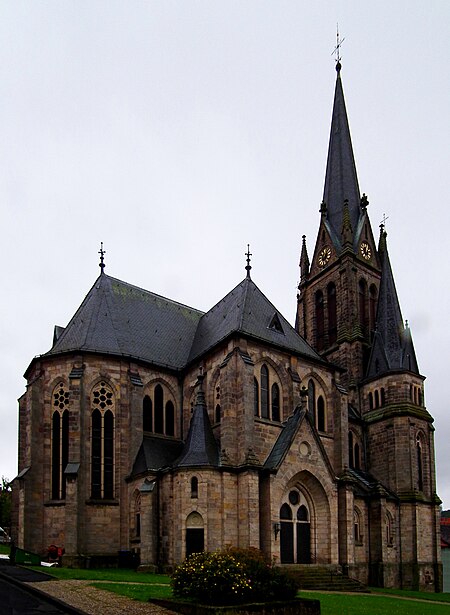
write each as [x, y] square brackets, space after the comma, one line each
[150, 292]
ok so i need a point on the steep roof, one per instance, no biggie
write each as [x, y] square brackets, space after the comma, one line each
[246, 310]
[201, 448]
[122, 319]
[155, 453]
[341, 180]
[392, 348]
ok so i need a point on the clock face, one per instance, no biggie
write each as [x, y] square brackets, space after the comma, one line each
[365, 250]
[324, 256]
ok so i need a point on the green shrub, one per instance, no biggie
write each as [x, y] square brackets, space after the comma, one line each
[231, 576]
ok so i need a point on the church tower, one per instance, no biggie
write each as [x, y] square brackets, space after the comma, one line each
[348, 310]
[338, 291]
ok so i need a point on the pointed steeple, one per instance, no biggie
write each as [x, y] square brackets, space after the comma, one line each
[341, 181]
[392, 348]
[200, 448]
[304, 260]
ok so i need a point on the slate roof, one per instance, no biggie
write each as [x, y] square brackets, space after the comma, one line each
[341, 180]
[119, 318]
[156, 453]
[392, 347]
[201, 448]
[285, 439]
[246, 310]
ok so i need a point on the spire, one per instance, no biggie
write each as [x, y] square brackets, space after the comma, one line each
[392, 347]
[248, 254]
[102, 258]
[304, 260]
[200, 448]
[341, 181]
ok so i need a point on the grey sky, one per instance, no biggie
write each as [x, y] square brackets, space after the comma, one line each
[178, 131]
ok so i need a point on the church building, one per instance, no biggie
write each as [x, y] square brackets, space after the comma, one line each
[153, 428]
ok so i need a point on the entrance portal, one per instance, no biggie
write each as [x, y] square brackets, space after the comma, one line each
[295, 531]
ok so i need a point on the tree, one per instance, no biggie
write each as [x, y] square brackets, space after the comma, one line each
[5, 503]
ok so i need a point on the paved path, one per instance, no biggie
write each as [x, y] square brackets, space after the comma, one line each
[95, 601]
[15, 600]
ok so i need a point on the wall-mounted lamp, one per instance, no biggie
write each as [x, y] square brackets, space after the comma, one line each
[276, 529]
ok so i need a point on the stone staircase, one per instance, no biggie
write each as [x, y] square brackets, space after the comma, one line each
[323, 578]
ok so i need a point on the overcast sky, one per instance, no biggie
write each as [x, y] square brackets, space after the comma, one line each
[176, 132]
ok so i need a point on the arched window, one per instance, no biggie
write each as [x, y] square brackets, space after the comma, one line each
[332, 313]
[351, 459]
[321, 414]
[419, 400]
[371, 401]
[320, 324]
[383, 396]
[60, 441]
[363, 306]
[372, 307]
[357, 531]
[275, 402]
[159, 409]
[147, 414]
[312, 401]
[194, 487]
[264, 392]
[285, 512]
[419, 463]
[377, 399]
[256, 395]
[137, 516]
[389, 527]
[102, 442]
[356, 456]
[218, 414]
[170, 419]
[302, 513]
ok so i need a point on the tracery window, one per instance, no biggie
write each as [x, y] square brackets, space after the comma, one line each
[102, 442]
[60, 441]
[266, 394]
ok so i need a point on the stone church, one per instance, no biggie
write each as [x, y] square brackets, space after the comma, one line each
[153, 428]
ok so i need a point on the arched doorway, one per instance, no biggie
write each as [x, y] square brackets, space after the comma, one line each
[195, 534]
[295, 530]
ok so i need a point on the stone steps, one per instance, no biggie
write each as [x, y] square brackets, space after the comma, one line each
[324, 578]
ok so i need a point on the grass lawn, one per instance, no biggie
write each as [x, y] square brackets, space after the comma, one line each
[366, 604]
[410, 594]
[124, 575]
[142, 586]
[4, 549]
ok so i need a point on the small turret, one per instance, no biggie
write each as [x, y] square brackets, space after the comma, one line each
[304, 261]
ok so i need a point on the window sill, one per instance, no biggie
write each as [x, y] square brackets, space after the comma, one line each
[55, 503]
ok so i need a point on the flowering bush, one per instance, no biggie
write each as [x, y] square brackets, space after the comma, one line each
[231, 576]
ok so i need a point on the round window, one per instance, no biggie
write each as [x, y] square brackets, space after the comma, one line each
[294, 498]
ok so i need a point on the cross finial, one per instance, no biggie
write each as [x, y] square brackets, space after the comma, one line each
[337, 49]
[102, 257]
[248, 254]
[383, 222]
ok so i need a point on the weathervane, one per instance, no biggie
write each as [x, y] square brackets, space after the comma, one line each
[102, 257]
[248, 254]
[383, 222]
[337, 49]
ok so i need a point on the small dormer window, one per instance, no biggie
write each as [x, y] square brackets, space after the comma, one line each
[275, 324]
